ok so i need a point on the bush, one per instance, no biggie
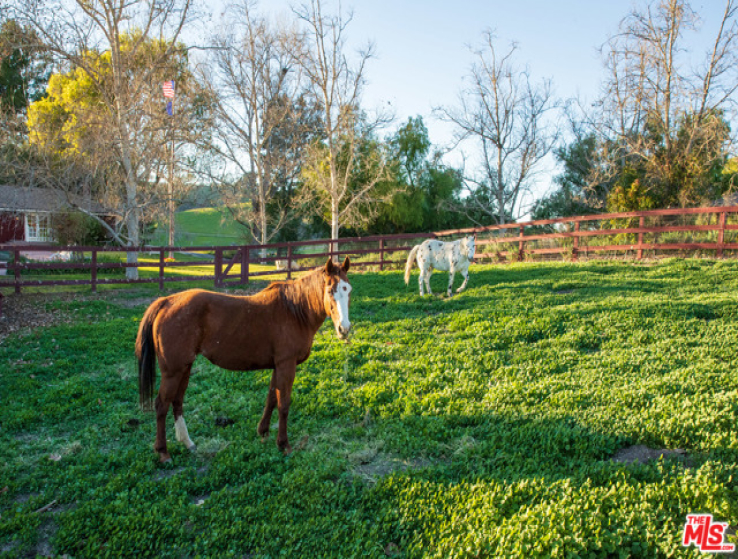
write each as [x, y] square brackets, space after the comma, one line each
[76, 228]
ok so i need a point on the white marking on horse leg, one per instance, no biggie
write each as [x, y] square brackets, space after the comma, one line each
[180, 429]
[421, 279]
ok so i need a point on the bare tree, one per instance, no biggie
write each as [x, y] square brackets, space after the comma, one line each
[125, 50]
[337, 85]
[659, 112]
[261, 119]
[505, 113]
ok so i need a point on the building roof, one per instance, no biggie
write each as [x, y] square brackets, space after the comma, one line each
[28, 199]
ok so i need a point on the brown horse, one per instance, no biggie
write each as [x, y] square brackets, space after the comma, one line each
[273, 329]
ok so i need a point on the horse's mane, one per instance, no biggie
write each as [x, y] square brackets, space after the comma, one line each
[301, 295]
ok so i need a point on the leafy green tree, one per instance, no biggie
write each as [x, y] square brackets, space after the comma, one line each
[24, 71]
[122, 51]
[24, 67]
[71, 129]
[574, 195]
[427, 192]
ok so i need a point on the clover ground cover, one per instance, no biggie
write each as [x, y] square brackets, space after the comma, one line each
[484, 424]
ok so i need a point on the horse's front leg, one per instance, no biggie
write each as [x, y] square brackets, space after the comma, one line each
[271, 401]
[466, 280]
[284, 377]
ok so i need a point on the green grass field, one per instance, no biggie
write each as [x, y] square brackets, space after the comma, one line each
[203, 227]
[481, 425]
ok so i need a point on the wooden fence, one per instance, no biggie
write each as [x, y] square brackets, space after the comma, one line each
[707, 231]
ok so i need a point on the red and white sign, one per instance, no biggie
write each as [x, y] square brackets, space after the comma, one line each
[706, 534]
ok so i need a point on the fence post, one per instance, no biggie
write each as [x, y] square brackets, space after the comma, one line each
[16, 272]
[521, 245]
[244, 264]
[93, 270]
[721, 233]
[161, 269]
[218, 271]
[381, 254]
[641, 224]
[289, 261]
[575, 248]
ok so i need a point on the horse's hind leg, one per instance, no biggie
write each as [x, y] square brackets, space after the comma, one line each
[425, 275]
[180, 427]
[451, 275]
[271, 402]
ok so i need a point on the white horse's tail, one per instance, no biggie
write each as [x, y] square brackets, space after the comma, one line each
[409, 265]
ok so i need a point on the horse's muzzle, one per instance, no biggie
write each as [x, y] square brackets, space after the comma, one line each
[343, 331]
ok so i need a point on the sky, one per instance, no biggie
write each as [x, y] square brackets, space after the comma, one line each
[423, 52]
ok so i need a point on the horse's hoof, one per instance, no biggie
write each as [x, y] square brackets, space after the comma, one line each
[193, 449]
[164, 458]
[287, 450]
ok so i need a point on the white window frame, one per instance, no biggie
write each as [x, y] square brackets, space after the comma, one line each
[38, 227]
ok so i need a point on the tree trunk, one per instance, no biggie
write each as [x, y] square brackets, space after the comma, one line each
[334, 224]
[132, 224]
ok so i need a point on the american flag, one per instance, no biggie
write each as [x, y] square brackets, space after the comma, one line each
[168, 88]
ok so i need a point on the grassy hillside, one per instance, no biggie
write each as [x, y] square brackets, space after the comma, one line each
[481, 425]
[203, 226]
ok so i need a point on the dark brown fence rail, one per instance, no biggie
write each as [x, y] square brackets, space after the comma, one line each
[706, 231]
[226, 265]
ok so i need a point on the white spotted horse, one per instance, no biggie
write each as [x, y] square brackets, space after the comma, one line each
[432, 254]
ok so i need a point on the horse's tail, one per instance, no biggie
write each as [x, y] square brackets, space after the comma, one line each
[409, 265]
[146, 354]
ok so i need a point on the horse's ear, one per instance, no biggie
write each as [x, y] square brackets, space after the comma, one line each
[329, 267]
[346, 264]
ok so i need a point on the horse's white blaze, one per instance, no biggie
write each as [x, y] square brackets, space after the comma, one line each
[341, 296]
[180, 428]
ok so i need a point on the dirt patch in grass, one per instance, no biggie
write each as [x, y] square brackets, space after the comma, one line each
[23, 313]
[46, 533]
[641, 454]
[131, 303]
[167, 473]
[382, 464]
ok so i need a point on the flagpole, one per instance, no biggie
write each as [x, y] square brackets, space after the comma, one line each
[168, 89]
[171, 191]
